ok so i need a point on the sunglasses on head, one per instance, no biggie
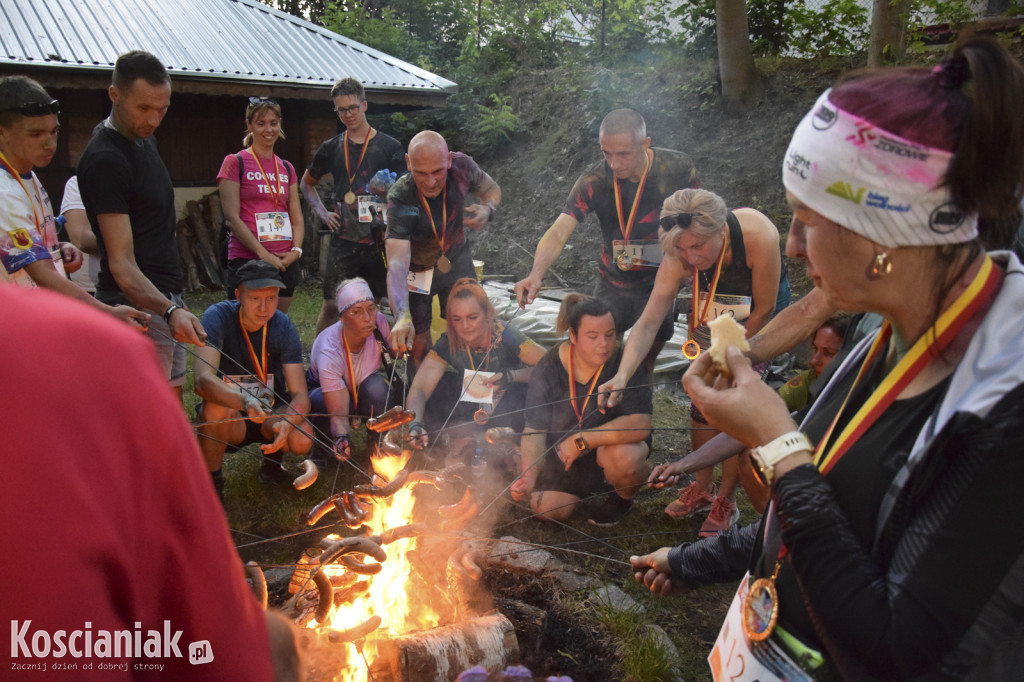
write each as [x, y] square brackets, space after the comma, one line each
[37, 108]
[256, 101]
[683, 220]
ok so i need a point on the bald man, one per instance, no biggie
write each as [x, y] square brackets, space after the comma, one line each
[625, 191]
[426, 244]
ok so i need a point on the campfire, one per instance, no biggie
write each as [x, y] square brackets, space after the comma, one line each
[399, 597]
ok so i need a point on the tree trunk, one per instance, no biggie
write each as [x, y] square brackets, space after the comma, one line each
[735, 60]
[888, 32]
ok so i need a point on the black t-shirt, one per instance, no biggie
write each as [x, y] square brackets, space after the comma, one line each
[860, 478]
[117, 175]
[382, 152]
[407, 219]
[594, 192]
[548, 407]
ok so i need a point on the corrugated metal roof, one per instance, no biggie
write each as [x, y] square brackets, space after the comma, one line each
[239, 40]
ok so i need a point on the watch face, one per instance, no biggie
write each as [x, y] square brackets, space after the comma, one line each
[759, 472]
[581, 444]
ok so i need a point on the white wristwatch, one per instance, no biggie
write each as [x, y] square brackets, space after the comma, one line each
[299, 249]
[768, 455]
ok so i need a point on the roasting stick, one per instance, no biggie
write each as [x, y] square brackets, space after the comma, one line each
[319, 437]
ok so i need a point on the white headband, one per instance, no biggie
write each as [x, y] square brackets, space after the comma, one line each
[352, 293]
[868, 180]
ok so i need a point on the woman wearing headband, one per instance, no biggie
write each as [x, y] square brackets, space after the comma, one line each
[345, 364]
[259, 194]
[734, 263]
[479, 366]
[882, 555]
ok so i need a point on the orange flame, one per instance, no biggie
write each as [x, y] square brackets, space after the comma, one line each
[389, 594]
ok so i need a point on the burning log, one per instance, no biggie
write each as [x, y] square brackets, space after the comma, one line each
[488, 641]
[259, 582]
[308, 477]
[392, 419]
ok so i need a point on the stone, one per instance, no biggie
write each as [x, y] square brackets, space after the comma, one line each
[512, 554]
[614, 597]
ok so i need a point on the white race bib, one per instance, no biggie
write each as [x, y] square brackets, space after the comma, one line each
[644, 254]
[419, 282]
[735, 659]
[251, 384]
[274, 226]
[368, 200]
[475, 388]
[737, 307]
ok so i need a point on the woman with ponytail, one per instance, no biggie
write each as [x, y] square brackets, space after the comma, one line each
[884, 553]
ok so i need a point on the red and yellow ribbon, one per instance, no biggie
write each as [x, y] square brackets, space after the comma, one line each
[930, 345]
[351, 174]
[627, 226]
[580, 413]
[17, 176]
[430, 216]
[353, 384]
[261, 368]
[277, 175]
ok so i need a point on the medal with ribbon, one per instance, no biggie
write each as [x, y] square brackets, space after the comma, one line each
[259, 363]
[760, 608]
[580, 412]
[353, 384]
[622, 259]
[350, 196]
[691, 349]
[443, 264]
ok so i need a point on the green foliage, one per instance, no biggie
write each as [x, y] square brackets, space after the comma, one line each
[839, 27]
[497, 122]
[924, 14]
[642, 657]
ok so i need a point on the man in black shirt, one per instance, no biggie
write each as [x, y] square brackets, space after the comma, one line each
[129, 197]
[352, 158]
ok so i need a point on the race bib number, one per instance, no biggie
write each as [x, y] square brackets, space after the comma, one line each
[273, 227]
[251, 384]
[736, 307]
[366, 201]
[419, 282]
[475, 388]
[644, 254]
[736, 659]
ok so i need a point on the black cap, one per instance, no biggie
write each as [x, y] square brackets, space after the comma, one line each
[259, 274]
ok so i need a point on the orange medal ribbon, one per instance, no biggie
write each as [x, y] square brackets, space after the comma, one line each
[17, 176]
[931, 344]
[430, 216]
[699, 321]
[627, 226]
[352, 173]
[353, 384]
[580, 413]
[277, 171]
[261, 368]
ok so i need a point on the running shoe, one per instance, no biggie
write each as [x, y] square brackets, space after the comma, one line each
[611, 510]
[691, 500]
[724, 514]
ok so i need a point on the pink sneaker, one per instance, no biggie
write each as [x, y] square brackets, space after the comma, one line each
[691, 500]
[724, 514]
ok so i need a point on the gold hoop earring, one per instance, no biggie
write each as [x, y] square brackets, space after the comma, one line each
[880, 267]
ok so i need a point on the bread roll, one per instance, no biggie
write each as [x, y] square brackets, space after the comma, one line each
[725, 332]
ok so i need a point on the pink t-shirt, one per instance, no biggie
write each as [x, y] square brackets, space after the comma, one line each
[327, 358]
[257, 195]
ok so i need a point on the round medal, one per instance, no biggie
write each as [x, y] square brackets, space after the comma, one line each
[350, 197]
[691, 350]
[265, 396]
[481, 416]
[623, 261]
[444, 265]
[760, 610]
